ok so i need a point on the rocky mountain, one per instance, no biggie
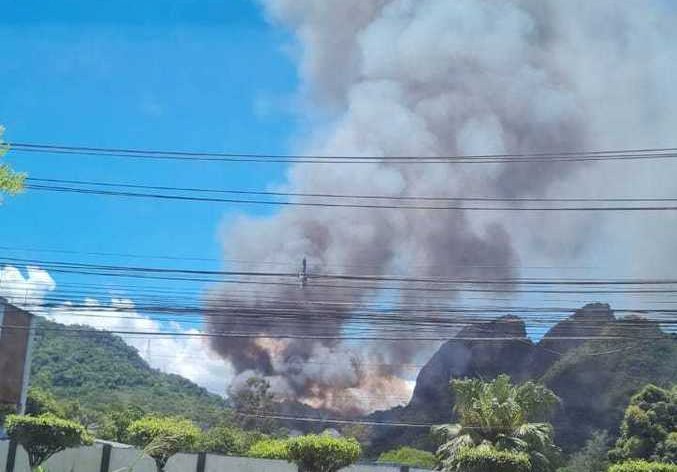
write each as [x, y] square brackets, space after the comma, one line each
[593, 377]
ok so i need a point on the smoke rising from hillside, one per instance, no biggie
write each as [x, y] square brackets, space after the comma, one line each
[436, 78]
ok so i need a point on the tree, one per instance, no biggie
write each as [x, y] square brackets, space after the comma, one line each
[593, 456]
[635, 465]
[163, 437]
[486, 458]
[504, 416]
[270, 449]
[228, 440]
[252, 402]
[5, 410]
[40, 402]
[322, 453]
[648, 427]
[45, 435]
[10, 182]
[116, 422]
[408, 456]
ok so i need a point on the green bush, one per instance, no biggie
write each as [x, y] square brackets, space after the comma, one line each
[408, 456]
[269, 449]
[643, 466]
[5, 410]
[647, 423]
[667, 450]
[161, 438]
[39, 402]
[593, 456]
[114, 423]
[227, 440]
[486, 458]
[322, 453]
[45, 435]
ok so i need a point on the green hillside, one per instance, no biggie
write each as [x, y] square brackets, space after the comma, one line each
[594, 378]
[597, 379]
[98, 369]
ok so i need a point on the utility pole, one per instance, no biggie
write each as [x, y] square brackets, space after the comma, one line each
[303, 275]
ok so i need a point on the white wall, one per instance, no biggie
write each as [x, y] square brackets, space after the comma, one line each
[88, 459]
[245, 464]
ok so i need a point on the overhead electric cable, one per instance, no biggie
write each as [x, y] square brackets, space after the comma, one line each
[351, 196]
[546, 157]
[188, 198]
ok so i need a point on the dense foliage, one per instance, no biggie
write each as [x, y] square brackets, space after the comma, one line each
[10, 182]
[408, 456]
[228, 440]
[45, 435]
[249, 400]
[485, 458]
[6, 410]
[643, 466]
[649, 428]
[595, 389]
[322, 453]
[115, 422]
[593, 456]
[105, 375]
[269, 449]
[502, 415]
[161, 438]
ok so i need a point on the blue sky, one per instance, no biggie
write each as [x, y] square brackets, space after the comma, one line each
[195, 75]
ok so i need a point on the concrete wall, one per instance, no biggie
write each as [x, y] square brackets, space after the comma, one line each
[88, 459]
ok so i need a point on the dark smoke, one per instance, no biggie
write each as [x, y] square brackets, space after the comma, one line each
[433, 78]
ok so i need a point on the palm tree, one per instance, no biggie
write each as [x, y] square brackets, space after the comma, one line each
[506, 416]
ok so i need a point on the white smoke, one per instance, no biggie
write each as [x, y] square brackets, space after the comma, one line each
[442, 77]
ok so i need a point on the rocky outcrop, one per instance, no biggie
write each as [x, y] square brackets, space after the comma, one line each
[593, 362]
[479, 350]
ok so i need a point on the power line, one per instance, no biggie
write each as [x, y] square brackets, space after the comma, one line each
[351, 196]
[359, 288]
[186, 198]
[280, 263]
[545, 157]
[341, 276]
[234, 335]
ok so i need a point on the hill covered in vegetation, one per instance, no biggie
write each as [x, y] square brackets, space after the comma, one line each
[593, 361]
[98, 369]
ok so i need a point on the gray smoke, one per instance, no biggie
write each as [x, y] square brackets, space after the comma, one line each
[437, 78]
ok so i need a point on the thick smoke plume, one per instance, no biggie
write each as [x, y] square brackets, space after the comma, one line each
[436, 78]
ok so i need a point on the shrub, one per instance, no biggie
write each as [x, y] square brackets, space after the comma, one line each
[643, 466]
[667, 450]
[322, 453]
[5, 410]
[45, 435]
[163, 437]
[39, 402]
[227, 440]
[646, 426]
[486, 458]
[593, 456]
[269, 449]
[113, 425]
[409, 456]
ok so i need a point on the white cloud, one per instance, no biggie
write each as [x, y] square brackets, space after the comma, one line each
[188, 356]
[25, 291]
